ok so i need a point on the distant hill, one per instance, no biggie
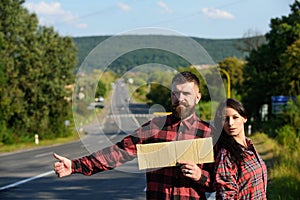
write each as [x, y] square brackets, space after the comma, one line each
[218, 49]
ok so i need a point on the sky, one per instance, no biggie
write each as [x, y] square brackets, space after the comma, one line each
[211, 19]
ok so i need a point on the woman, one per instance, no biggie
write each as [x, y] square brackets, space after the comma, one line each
[240, 173]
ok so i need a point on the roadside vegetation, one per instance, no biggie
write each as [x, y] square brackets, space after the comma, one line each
[36, 70]
[283, 167]
[42, 143]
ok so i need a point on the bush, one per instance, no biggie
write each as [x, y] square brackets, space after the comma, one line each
[206, 110]
[287, 137]
[6, 137]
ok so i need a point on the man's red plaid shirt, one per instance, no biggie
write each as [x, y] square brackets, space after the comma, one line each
[163, 183]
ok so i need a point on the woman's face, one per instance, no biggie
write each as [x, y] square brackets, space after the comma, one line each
[233, 122]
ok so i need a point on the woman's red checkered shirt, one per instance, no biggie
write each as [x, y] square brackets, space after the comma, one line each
[246, 181]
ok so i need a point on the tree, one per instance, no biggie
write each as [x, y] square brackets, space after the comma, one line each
[38, 64]
[54, 72]
[11, 28]
[266, 73]
[161, 95]
[292, 114]
[291, 60]
[234, 67]
[251, 40]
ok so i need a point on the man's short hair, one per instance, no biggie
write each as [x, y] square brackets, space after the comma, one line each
[186, 76]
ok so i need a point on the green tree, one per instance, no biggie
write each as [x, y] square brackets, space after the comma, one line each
[104, 83]
[292, 114]
[38, 63]
[266, 73]
[54, 72]
[160, 95]
[291, 60]
[12, 25]
[101, 89]
[234, 67]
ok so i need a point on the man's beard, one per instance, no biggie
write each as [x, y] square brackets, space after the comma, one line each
[183, 111]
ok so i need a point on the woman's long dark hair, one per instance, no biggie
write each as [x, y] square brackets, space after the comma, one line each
[226, 141]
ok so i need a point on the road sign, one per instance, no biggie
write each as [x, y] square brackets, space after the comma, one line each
[278, 103]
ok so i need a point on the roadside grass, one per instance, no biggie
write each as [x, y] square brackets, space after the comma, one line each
[267, 148]
[31, 145]
[283, 167]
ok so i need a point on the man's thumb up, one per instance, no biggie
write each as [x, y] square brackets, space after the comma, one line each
[58, 157]
[63, 167]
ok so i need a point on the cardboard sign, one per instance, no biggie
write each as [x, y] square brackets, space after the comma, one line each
[166, 154]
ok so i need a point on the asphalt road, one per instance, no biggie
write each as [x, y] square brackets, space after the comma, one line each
[29, 174]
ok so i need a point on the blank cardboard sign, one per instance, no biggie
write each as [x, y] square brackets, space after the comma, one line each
[166, 154]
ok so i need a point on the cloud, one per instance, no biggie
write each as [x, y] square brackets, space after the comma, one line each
[164, 7]
[217, 13]
[124, 7]
[52, 13]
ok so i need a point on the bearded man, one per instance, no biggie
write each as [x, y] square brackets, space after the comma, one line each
[185, 181]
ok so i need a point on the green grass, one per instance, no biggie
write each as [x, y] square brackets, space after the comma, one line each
[32, 145]
[283, 167]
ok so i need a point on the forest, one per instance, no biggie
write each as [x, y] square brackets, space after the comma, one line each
[218, 49]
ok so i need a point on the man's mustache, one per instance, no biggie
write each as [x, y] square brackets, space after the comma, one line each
[179, 103]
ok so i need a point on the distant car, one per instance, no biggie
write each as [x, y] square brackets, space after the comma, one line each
[94, 105]
[99, 105]
[100, 99]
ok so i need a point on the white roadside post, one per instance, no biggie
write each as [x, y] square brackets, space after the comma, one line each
[36, 138]
[249, 129]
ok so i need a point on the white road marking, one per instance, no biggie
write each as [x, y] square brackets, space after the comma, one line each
[43, 154]
[26, 180]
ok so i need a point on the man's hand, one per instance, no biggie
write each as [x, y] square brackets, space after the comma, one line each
[190, 170]
[63, 167]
